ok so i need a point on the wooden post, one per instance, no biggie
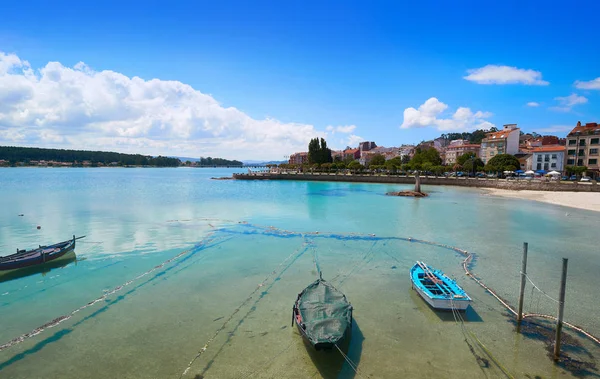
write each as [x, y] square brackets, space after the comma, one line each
[561, 308]
[523, 282]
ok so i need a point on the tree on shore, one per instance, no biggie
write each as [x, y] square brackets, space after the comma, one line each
[318, 151]
[503, 162]
[377, 160]
[429, 155]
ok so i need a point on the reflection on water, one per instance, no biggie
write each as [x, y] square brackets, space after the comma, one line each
[231, 299]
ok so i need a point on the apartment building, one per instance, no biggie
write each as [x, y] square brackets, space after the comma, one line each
[458, 148]
[505, 141]
[583, 144]
[547, 158]
[299, 158]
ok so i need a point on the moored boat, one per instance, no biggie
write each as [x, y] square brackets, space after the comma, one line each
[39, 256]
[323, 315]
[437, 289]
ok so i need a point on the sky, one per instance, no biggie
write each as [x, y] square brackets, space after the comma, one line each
[257, 80]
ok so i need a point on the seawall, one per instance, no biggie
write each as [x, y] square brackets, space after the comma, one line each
[516, 185]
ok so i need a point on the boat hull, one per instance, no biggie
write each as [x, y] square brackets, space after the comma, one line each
[38, 256]
[323, 316]
[442, 304]
[437, 289]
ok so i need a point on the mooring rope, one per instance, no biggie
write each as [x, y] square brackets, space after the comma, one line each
[459, 319]
[214, 336]
[67, 316]
[352, 365]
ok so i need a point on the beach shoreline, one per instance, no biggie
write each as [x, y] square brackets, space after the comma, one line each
[581, 200]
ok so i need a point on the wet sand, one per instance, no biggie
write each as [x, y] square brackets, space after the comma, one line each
[582, 200]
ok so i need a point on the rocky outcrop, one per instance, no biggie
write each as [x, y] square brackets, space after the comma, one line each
[408, 194]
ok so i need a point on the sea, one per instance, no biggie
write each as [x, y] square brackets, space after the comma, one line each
[183, 276]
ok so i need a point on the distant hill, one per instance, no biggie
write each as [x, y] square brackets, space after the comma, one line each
[262, 163]
[183, 159]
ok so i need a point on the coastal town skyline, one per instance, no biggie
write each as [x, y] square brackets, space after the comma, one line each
[260, 82]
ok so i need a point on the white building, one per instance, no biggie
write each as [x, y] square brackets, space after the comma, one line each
[548, 158]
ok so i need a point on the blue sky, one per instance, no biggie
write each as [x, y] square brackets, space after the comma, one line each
[290, 71]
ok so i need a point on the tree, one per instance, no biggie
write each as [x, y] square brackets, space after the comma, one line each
[503, 162]
[405, 159]
[377, 160]
[465, 157]
[430, 155]
[318, 151]
[474, 164]
[354, 165]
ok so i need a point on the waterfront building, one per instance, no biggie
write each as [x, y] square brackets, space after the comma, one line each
[505, 141]
[406, 151]
[583, 144]
[366, 146]
[299, 158]
[352, 154]
[547, 158]
[458, 148]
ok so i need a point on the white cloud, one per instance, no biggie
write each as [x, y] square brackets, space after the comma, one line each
[58, 106]
[340, 129]
[592, 84]
[354, 140]
[568, 102]
[428, 114]
[533, 104]
[494, 74]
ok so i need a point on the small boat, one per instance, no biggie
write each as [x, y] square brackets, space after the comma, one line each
[41, 255]
[322, 315]
[437, 289]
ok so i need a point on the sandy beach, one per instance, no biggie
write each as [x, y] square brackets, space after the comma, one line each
[581, 200]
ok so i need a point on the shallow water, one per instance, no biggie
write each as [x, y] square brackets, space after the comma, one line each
[245, 249]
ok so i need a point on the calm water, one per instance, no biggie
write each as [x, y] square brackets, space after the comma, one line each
[245, 249]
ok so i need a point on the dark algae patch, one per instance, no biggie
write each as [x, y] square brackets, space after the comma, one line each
[574, 357]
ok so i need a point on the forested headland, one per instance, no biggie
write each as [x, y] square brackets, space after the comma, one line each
[33, 156]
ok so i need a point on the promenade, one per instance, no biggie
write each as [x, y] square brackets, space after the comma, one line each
[515, 185]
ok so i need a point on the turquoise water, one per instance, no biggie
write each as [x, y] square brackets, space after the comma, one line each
[245, 249]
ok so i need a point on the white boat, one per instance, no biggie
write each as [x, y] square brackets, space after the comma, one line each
[437, 289]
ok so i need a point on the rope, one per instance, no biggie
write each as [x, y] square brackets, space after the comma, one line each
[537, 288]
[67, 316]
[352, 365]
[458, 318]
[214, 336]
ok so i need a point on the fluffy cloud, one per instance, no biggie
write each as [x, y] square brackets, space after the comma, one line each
[340, 129]
[353, 140]
[568, 102]
[533, 104]
[463, 119]
[592, 84]
[58, 106]
[493, 74]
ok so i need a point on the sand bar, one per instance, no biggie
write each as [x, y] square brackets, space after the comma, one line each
[581, 200]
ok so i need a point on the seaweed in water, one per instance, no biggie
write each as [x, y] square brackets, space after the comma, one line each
[545, 333]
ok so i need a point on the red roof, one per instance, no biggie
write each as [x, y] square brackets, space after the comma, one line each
[590, 127]
[547, 148]
[350, 151]
[469, 145]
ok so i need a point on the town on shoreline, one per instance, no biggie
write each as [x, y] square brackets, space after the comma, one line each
[507, 152]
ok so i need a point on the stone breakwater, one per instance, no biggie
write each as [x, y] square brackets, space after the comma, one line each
[515, 185]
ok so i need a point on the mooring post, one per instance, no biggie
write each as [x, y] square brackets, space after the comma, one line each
[561, 308]
[523, 281]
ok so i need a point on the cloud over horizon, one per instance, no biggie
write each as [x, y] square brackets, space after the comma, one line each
[80, 108]
[494, 74]
[463, 119]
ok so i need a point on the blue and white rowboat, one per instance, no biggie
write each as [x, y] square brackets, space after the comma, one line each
[437, 289]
